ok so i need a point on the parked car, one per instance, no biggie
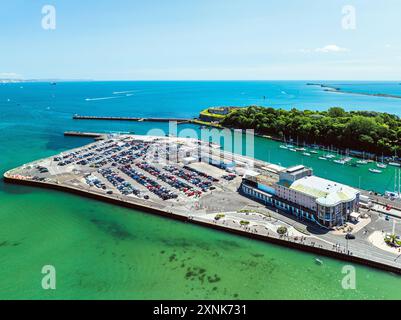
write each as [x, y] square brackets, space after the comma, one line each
[349, 236]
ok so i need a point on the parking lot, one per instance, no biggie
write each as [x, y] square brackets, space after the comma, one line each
[159, 170]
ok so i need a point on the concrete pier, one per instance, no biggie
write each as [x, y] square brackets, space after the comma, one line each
[84, 134]
[136, 119]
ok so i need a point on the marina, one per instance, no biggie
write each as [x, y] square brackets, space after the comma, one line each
[338, 159]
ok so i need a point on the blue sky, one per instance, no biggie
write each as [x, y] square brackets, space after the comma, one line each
[201, 39]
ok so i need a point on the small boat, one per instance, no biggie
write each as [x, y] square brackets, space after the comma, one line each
[394, 164]
[362, 162]
[307, 154]
[381, 165]
[293, 150]
[392, 194]
[318, 261]
[322, 158]
[340, 161]
[314, 152]
[347, 159]
[283, 147]
[375, 171]
[300, 149]
[330, 156]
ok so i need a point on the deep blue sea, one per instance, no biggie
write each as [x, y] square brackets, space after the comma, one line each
[37, 113]
[49, 108]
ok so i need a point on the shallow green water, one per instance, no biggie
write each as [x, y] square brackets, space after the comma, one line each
[103, 251]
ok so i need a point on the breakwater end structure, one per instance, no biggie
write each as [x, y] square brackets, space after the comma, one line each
[174, 178]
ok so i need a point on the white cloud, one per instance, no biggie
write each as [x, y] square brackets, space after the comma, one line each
[331, 48]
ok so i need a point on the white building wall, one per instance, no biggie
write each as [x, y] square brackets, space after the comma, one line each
[296, 197]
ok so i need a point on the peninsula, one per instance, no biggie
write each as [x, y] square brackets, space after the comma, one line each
[363, 131]
[339, 90]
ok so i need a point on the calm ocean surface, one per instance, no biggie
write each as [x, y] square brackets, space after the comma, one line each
[103, 251]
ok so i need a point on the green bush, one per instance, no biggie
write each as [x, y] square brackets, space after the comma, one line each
[282, 230]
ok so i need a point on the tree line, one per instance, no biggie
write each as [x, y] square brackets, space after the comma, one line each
[368, 131]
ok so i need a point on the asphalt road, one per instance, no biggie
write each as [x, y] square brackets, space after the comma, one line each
[361, 246]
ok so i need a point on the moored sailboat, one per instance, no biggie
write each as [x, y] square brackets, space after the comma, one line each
[375, 171]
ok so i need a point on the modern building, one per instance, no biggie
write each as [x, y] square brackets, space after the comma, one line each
[300, 193]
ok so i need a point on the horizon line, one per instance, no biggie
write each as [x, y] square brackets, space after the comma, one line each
[185, 80]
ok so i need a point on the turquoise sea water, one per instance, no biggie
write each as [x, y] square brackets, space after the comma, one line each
[103, 251]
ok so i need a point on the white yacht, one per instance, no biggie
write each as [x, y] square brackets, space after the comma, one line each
[375, 171]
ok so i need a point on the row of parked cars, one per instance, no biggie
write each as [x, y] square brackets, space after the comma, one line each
[42, 169]
[169, 179]
[113, 152]
[128, 156]
[202, 174]
[93, 181]
[229, 177]
[149, 183]
[190, 176]
[82, 159]
[69, 158]
[99, 159]
[123, 186]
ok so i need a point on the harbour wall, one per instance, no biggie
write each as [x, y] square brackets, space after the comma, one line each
[182, 218]
[83, 134]
[78, 117]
